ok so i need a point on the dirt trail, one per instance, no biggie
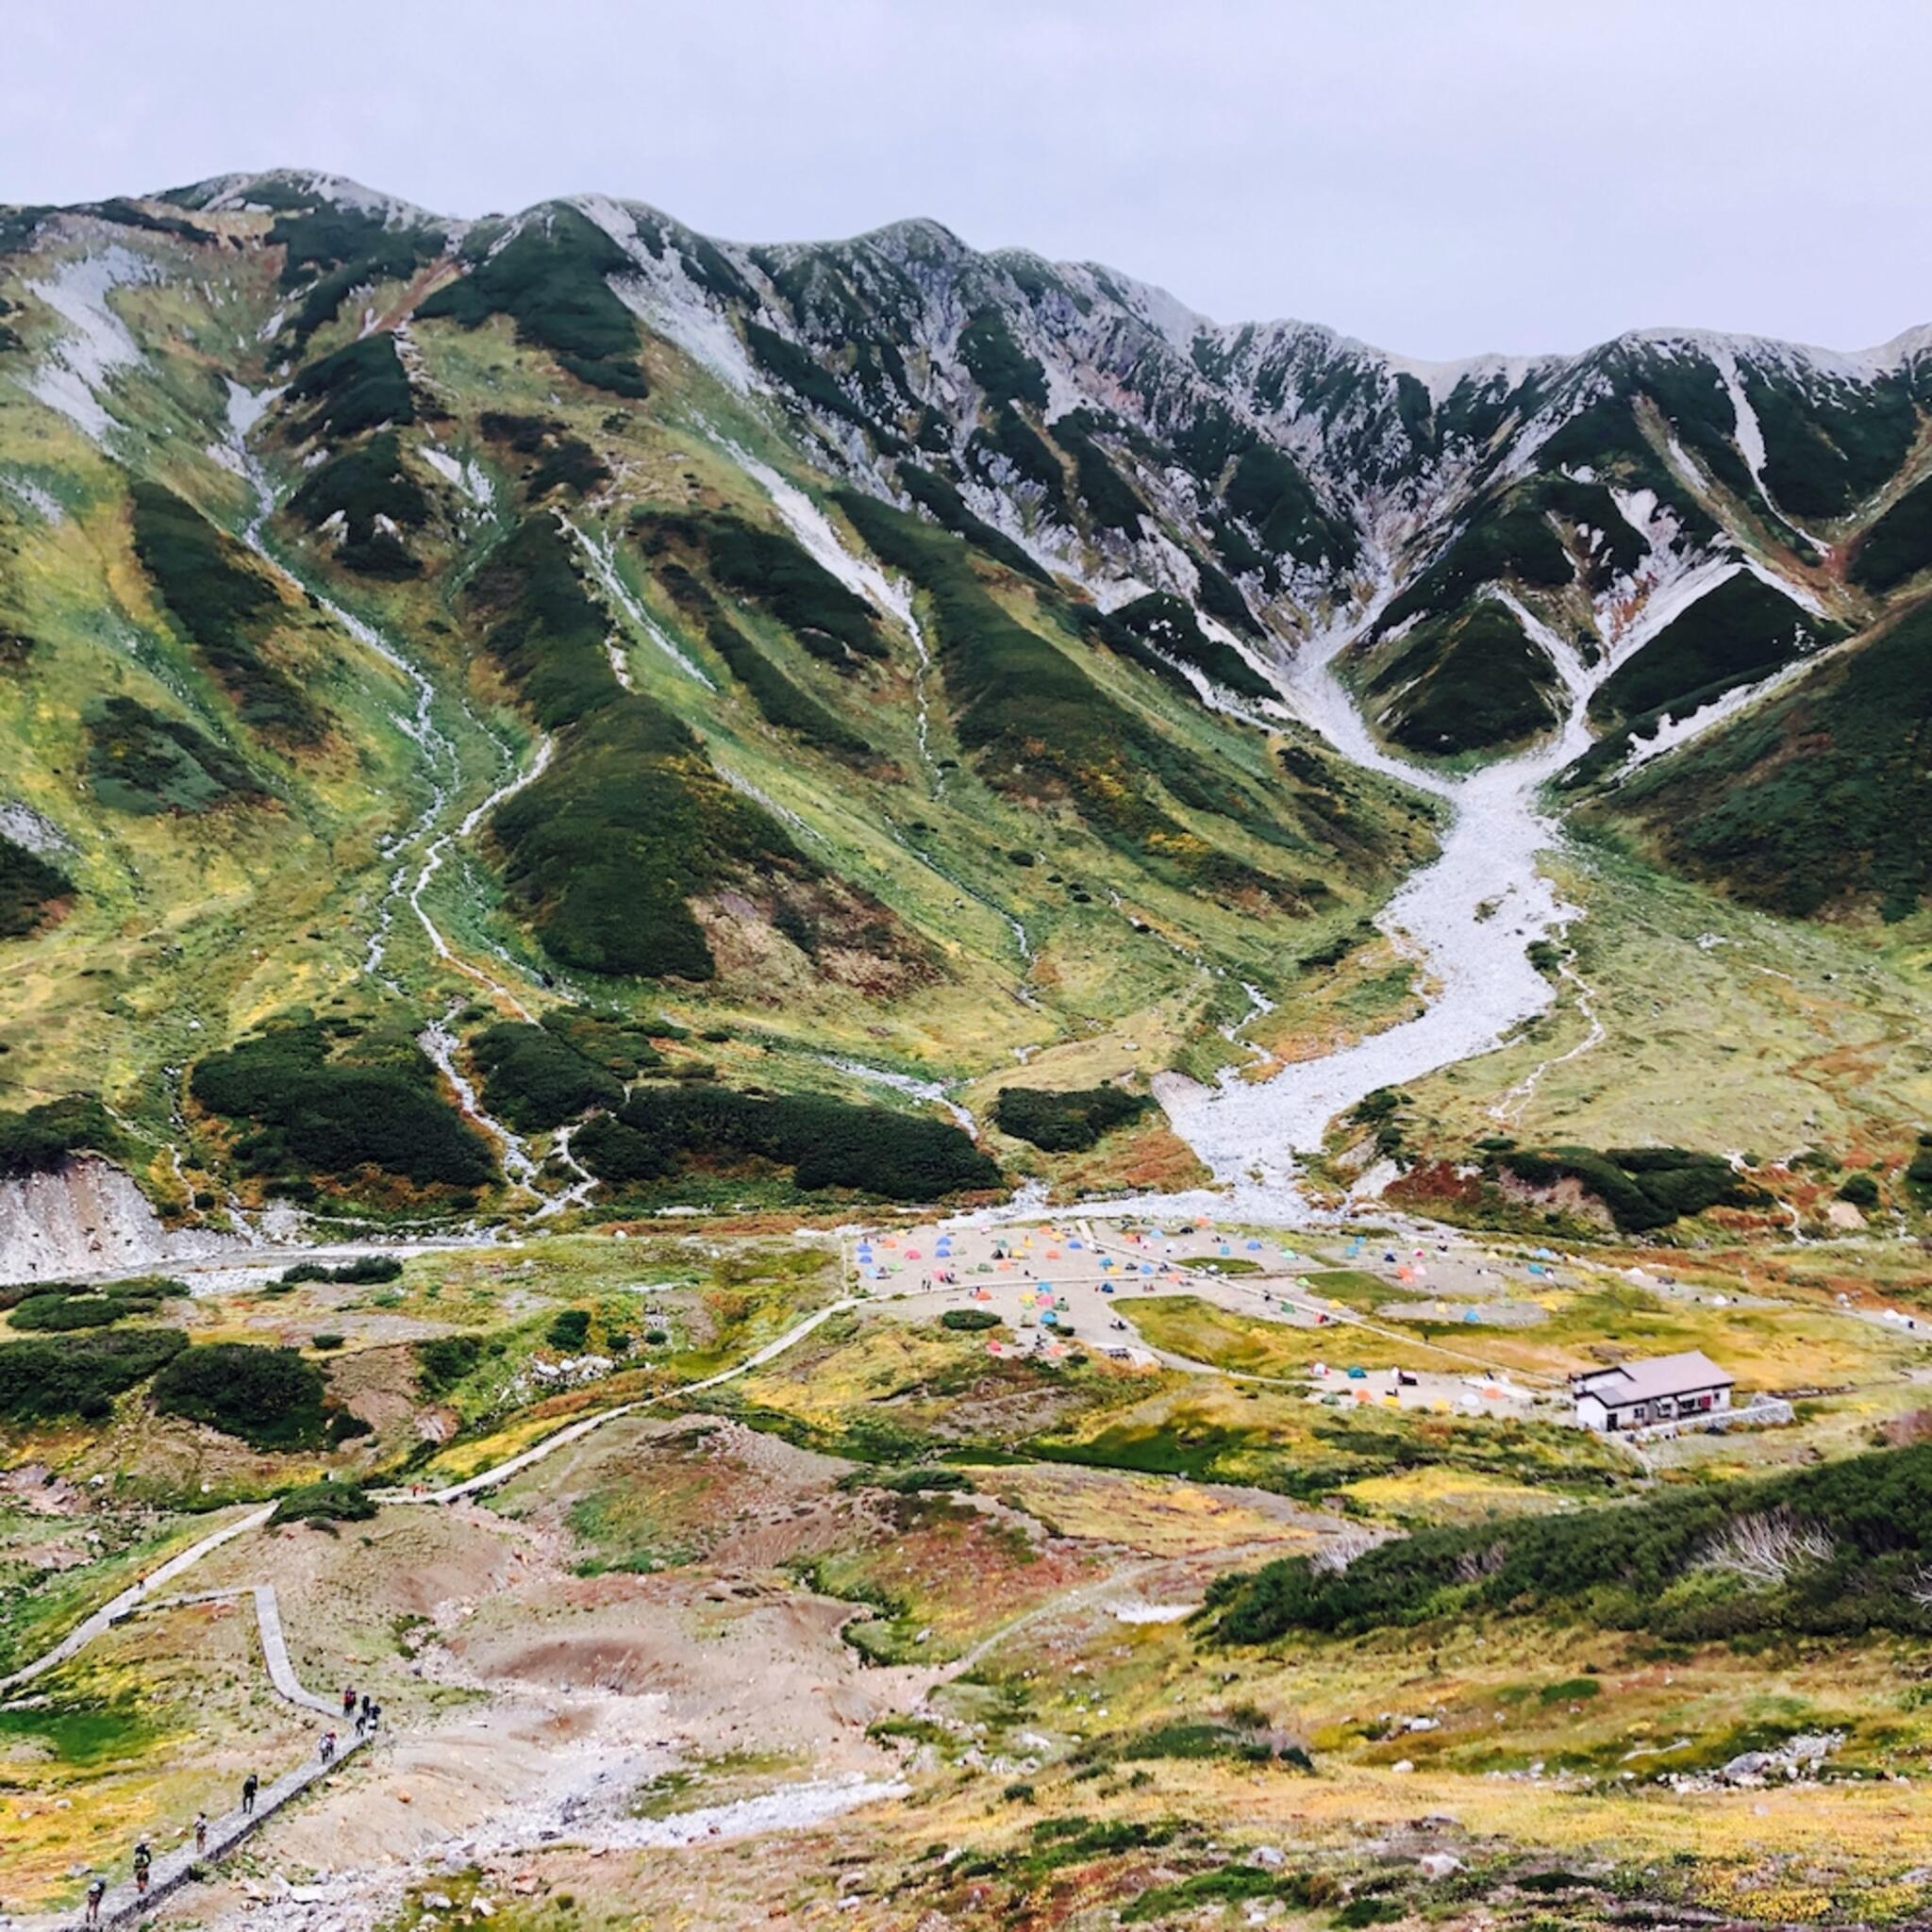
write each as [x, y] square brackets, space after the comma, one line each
[136, 1594]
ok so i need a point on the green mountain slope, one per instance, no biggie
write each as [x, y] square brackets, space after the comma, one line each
[855, 664]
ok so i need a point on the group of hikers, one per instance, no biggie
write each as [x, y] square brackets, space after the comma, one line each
[366, 1714]
[144, 1856]
[358, 1706]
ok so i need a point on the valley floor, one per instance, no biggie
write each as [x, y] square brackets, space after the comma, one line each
[874, 1602]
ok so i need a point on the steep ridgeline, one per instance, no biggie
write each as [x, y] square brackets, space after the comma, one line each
[833, 667]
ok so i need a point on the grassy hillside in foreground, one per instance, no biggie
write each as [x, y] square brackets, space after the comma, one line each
[1428, 1634]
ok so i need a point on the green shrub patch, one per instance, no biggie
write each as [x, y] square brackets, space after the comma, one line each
[1825, 452]
[780, 702]
[619, 1046]
[998, 364]
[140, 761]
[80, 1375]
[362, 386]
[30, 888]
[827, 1143]
[1899, 545]
[550, 279]
[948, 509]
[542, 626]
[536, 1080]
[270, 1398]
[41, 1137]
[226, 607]
[781, 575]
[444, 1360]
[806, 379]
[602, 852]
[1858, 1533]
[1643, 1188]
[1009, 439]
[1109, 500]
[1038, 724]
[320, 1106]
[1066, 1122]
[1467, 683]
[334, 250]
[363, 1269]
[62, 1309]
[557, 459]
[1736, 634]
[1168, 626]
[1820, 798]
[360, 486]
[1515, 543]
[1277, 502]
[324, 1503]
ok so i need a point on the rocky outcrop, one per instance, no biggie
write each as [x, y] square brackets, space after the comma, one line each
[87, 1217]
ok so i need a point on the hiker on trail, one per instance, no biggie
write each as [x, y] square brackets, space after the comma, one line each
[348, 1700]
[328, 1746]
[96, 1892]
[375, 1716]
[250, 1785]
[143, 1860]
[367, 1706]
[201, 1831]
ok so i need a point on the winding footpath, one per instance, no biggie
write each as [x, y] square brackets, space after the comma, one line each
[173, 1870]
[124, 1904]
[501, 1472]
[131, 1599]
[140, 1594]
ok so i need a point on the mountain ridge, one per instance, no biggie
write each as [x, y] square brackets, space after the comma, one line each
[1913, 339]
[1023, 661]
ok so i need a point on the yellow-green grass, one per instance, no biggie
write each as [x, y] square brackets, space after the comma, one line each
[1779, 1348]
[1726, 1030]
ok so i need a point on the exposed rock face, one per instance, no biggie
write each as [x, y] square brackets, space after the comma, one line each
[87, 1217]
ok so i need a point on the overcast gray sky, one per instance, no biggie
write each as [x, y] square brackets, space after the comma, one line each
[1438, 177]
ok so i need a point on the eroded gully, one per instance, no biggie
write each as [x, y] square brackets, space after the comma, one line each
[1468, 919]
[417, 853]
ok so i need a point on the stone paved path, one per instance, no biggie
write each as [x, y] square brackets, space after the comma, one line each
[172, 1870]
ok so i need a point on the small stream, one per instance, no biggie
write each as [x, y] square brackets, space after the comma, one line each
[440, 1043]
[420, 841]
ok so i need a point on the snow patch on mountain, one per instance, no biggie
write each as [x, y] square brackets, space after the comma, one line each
[602, 558]
[74, 378]
[44, 503]
[665, 297]
[466, 475]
